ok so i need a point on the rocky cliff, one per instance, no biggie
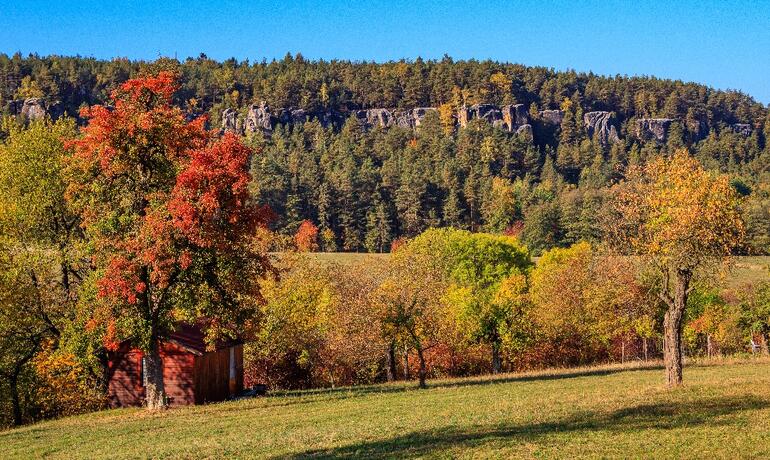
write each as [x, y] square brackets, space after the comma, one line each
[33, 108]
[601, 125]
[653, 128]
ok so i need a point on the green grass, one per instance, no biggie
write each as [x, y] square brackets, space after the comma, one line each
[749, 270]
[349, 258]
[723, 411]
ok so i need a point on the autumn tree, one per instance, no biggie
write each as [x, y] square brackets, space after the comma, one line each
[306, 238]
[755, 314]
[566, 320]
[681, 220]
[167, 211]
[357, 339]
[39, 264]
[409, 301]
[33, 211]
[487, 288]
[709, 316]
[26, 321]
[290, 329]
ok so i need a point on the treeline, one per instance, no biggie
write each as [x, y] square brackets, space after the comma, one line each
[365, 189]
[452, 303]
[341, 85]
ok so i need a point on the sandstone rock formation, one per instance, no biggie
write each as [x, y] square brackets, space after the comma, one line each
[515, 116]
[230, 121]
[553, 117]
[488, 112]
[33, 108]
[259, 118]
[411, 118]
[602, 125]
[291, 116]
[375, 117]
[525, 130]
[508, 117]
[653, 128]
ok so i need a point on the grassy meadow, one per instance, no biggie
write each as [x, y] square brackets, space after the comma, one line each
[723, 411]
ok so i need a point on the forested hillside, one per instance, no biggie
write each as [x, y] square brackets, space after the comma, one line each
[493, 146]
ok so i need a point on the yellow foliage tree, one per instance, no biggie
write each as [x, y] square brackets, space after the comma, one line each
[681, 220]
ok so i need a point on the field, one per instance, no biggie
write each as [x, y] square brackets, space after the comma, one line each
[744, 269]
[612, 411]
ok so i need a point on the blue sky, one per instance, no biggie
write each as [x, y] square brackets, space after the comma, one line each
[723, 44]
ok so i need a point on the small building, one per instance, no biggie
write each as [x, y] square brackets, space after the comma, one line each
[191, 373]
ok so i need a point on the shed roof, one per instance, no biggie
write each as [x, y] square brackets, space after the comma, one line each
[192, 339]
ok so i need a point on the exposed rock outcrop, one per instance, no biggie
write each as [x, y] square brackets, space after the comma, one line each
[515, 116]
[33, 108]
[230, 121]
[508, 117]
[653, 128]
[553, 117]
[487, 112]
[411, 118]
[375, 117]
[259, 119]
[602, 125]
[525, 130]
[291, 116]
[744, 129]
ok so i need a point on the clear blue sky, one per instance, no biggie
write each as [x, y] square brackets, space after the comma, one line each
[724, 44]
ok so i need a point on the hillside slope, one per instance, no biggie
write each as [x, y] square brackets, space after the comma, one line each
[723, 411]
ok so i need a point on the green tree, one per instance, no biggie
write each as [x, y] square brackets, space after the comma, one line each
[39, 240]
[755, 314]
[488, 284]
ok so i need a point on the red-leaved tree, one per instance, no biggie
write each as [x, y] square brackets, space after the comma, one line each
[306, 238]
[166, 208]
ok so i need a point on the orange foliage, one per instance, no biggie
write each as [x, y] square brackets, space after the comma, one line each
[306, 238]
[63, 387]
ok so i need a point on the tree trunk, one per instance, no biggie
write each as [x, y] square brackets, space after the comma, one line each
[496, 362]
[644, 345]
[14, 384]
[155, 394]
[622, 350]
[422, 372]
[391, 370]
[672, 326]
[764, 344]
[708, 345]
[406, 363]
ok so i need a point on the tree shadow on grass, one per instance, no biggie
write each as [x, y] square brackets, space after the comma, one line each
[330, 394]
[636, 418]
